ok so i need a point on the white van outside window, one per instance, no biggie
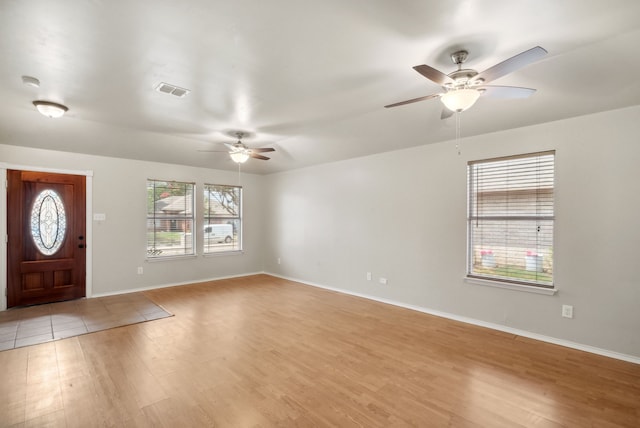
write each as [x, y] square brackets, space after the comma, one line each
[218, 233]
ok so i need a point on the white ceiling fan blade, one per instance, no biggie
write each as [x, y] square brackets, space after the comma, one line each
[434, 75]
[446, 113]
[510, 65]
[506, 92]
[414, 100]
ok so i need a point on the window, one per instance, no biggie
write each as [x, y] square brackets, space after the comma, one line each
[510, 219]
[170, 219]
[222, 230]
[48, 222]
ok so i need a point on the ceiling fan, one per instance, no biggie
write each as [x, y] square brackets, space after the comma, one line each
[463, 87]
[240, 153]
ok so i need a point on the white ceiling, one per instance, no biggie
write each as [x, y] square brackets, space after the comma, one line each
[309, 77]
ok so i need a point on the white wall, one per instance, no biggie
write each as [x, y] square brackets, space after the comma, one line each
[401, 215]
[119, 244]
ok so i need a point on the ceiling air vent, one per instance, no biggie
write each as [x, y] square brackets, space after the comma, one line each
[172, 89]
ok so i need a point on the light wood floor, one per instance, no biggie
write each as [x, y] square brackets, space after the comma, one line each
[262, 352]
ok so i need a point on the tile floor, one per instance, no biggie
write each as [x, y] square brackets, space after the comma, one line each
[44, 323]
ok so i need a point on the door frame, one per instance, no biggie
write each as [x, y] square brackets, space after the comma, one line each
[3, 224]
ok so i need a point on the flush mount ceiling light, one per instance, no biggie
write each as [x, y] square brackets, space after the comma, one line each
[458, 100]
[50, 109]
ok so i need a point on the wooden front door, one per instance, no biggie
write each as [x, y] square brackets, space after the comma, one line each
[46, 231]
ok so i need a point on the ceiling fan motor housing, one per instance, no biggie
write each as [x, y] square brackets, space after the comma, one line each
[462, 79]
[458, 57]
[462, 76]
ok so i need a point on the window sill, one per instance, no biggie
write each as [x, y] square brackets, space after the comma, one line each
[224, 253]
[167, 258]
[514, 287]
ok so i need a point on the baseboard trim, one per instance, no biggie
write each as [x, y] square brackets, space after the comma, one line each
[174, 284]
[473, 321]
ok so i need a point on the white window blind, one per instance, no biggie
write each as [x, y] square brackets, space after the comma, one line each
[510, 219]
[222, 230]
[170, 219]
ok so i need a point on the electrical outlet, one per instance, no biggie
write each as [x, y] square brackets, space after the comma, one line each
[140, 270]
[278, 260]
[368, 276]
[567, 311]
[383, 281]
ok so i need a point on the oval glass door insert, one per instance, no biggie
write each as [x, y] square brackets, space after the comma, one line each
[48, 222]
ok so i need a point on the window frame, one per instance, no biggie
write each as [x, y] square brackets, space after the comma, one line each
[209, 220]
[151, 253]
[510, 217]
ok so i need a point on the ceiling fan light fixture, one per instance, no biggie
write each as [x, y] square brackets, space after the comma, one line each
[239, 156]
[460, 99]
[50, 109]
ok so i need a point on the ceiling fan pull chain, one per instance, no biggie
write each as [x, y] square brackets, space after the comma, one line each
[458, 132]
